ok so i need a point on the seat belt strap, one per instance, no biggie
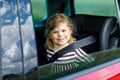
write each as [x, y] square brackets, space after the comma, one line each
[80, 43]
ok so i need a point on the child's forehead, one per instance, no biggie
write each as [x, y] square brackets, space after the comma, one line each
[61, 26]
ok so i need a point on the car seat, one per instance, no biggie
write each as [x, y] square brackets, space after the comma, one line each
[101, 27]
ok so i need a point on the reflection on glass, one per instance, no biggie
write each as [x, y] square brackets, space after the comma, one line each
[28, 38]
[11, 55]
[37, 6]
[61, 66]
[97, 7]
[117, 4]
[55, 70]
[0, 42]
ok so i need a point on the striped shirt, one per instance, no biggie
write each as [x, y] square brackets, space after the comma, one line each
[68, 61]
[76, 55]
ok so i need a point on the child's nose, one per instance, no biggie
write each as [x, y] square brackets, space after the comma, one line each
[60, 34]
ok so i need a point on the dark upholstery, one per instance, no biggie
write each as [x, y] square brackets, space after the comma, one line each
[99, 26]
[40, 39]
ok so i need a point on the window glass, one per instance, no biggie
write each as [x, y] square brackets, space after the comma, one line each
[38, 9]
[18, 55]
[55, 70]
[11, 51]
[0, 57]
[28, 38]
[95, 7]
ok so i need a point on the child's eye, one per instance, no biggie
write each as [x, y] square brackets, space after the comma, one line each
[54, 32]
[63, 30]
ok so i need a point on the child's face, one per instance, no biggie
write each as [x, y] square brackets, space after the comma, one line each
[61, 35]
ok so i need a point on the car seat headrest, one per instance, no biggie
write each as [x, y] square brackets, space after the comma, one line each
[92, 23]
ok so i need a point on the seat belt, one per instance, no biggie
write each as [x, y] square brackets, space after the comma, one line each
[80, 43]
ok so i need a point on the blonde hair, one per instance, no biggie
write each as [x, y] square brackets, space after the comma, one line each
[54, 22]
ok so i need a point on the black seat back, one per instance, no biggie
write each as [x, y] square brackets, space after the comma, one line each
[99, 26]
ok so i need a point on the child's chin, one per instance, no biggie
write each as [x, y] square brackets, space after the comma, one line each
[63, 44]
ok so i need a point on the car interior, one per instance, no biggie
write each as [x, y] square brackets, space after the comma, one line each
[99, 36]
[98, 33]
[102, 28]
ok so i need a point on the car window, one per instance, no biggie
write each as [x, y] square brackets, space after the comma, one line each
[18, 47]
[11, 63]
[28, 37]
[96, 7]
[17, 36]
[39, 10]
[50, 72]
